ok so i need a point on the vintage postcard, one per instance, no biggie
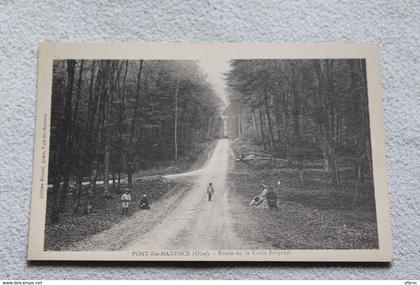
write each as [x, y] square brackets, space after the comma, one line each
[209, 152]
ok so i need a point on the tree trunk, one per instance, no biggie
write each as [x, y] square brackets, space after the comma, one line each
[96, 126]
[91, 189]
[73, 138]
[176, 123]
[130, 158]
[325, 155]
[106, 193]
[122, 152]
[110, 87]
[296, 104]
[286, 124]
[77, 195]
[66, 157]
[262, 130]
[270, 127]
[254, 126]
[55, 212]
[239, 121]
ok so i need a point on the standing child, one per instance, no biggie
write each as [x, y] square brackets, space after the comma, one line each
[210, 191]
[126, 199]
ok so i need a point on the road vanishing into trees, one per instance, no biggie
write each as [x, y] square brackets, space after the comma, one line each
[184, 219]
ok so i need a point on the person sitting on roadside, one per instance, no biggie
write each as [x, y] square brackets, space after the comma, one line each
[280, 189]
[260, 198]
[272, 199]
[144, 203]
[125, 199]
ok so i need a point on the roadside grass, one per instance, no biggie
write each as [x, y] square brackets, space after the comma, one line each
[106, 213]
[313, 215]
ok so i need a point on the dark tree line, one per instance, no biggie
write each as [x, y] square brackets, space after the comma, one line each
[111, 117]
[304, 110]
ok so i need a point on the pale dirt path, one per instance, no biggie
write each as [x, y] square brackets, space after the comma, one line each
[131, 227]
[183, 219]
[197, 223]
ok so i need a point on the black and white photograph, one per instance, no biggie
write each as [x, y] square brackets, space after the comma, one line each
[210, 156]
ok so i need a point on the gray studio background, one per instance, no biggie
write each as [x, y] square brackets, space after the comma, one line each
[394, 25]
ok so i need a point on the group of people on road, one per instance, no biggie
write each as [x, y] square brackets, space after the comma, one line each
[144, 202]
[267, 198]
[126, 200]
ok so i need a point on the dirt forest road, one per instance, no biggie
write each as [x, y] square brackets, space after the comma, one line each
[184, 219]
[197, 223]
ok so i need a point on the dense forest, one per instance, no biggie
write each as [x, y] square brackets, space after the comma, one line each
[304, 110]
[110, 118]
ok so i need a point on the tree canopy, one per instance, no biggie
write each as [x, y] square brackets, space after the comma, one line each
[116, 116]
[302, 109]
